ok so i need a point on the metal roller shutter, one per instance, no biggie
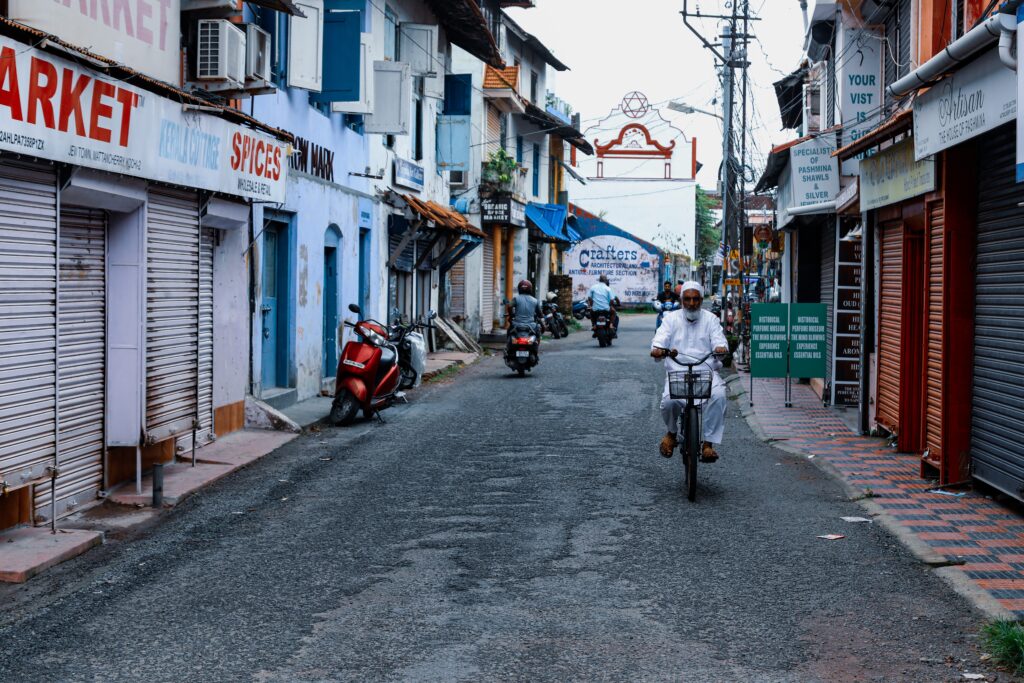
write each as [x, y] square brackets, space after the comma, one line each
[457, 278]
[997, 405]
[81, 355]
[494, 130]
[204, 430]
[487, 309]
[934, 311]
[172, 311]
[828, 289]
[887, 408]
[28, 321]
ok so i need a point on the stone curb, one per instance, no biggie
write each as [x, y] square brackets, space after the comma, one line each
[943, 566]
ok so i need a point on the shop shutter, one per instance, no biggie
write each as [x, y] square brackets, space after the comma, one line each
[997, 404]
[28, 321]
[494, 130]
[934, 307]
[81, 355]
[457, 280]
[828, 289]
[487, 309]
[887, 409]
[172, 313]
[204, 431]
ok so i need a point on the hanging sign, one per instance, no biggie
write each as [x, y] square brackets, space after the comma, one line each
[408, 174]
[815, 174]
[893, 175]
[807, 337]
[976, 99]
[52, 108]
[504, 210]
[860, 75]
[769, 340]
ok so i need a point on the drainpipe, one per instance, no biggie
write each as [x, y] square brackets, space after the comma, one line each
[975, 40]
[1007, 42]
[803, 9]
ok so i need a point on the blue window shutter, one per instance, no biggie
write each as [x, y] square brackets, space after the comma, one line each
[536, 170]
[519, 149]
[453, 142]
[458, 94]
[342, 53]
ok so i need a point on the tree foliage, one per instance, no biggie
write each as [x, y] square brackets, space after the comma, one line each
[708, 236]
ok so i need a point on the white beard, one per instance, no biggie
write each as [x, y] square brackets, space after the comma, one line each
[692, 316]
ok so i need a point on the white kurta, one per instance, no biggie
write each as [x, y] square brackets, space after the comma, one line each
[693, 340]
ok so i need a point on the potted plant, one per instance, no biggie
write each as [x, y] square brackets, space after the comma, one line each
[499, 172]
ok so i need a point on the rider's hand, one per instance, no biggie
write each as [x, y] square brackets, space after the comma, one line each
[721, 350]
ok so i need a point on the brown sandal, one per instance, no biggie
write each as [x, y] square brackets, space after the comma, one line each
[708, 453]
[667, 445]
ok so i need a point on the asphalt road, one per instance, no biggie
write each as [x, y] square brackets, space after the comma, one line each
[500, 529]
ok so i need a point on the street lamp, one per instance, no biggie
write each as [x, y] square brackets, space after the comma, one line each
[684, 108]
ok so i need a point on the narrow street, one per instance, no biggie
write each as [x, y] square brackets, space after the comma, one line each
[500, 528]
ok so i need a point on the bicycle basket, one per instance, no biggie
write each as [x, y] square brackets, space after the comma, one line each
[694, 385]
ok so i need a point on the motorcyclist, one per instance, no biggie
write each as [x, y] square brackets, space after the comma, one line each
[666, 295]
[524, 309]
[694, 333]
[602, 299]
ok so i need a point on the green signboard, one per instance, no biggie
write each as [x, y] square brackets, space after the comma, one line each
[807, 333]
[769, 340]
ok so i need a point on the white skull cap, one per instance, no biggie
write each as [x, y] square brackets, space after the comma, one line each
[690, 284]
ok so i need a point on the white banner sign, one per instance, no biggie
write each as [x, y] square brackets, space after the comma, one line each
[632, 271]
[814, 172]
[54, 109]
[142, 34]
[965, 104]
[1020, 91]
[860, 87]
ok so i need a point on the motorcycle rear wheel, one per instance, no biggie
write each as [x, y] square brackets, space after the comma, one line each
[344, 408]
[563, 327]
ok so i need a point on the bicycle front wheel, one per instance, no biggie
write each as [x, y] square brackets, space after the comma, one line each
[693, 444]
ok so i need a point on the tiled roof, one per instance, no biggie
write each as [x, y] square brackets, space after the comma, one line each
[501, 78]
[443, 216]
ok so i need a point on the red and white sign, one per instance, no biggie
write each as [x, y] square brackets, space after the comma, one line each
[54, 109]
[143, 34]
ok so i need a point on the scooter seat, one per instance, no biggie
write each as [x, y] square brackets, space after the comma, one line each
[388, 357]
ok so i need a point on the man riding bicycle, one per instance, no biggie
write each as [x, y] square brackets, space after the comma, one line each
[694, 333]
[602, 299]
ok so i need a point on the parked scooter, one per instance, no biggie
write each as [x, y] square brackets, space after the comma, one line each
[663, 308]
[554, 321]
[368, 374]
[580, 310]
[522, 350]
[412, 349]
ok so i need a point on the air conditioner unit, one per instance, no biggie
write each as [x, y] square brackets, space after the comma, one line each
[257, 48]
[457, 178]
[220, 52]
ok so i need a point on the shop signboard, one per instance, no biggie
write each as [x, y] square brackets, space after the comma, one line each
[1019, 91]
[893, 175]
[846, 332]
[58, 110]
[973, 100]
[144, 34]
[807, 337]
[505, 210]
[408, 174]
[633, 271]
[769, 340]
[814, 171]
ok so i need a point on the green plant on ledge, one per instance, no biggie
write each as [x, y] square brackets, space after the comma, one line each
[499, 171]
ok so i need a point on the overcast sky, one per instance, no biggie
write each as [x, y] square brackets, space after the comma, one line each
[615, 47]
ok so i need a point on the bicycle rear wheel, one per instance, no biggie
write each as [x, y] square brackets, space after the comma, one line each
[692, 452]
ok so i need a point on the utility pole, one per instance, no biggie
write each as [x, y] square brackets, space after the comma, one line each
[733, 54]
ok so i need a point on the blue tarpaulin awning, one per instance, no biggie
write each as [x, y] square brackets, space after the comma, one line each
[549, 219]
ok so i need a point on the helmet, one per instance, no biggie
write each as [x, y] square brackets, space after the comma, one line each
[525, 287]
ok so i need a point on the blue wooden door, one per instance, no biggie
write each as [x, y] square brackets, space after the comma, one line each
[272, 284]
[330, 311]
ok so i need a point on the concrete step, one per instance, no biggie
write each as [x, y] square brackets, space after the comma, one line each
[280, 397]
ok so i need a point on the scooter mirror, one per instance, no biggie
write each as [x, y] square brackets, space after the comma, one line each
[355, 309]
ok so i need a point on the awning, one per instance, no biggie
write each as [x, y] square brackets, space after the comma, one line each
[572, 171]
[549, 219]
[441, 216]
[532, 42]
[570, 230]
[553, 126]
[899, 123]
[821, 31]
[789, 91]
[465, 26]
[285, 6]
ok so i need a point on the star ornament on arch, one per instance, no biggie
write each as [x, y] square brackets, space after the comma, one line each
[635, 104]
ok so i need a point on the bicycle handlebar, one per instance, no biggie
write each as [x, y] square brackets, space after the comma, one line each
[672, 353]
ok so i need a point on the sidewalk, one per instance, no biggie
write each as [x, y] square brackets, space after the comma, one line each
[978, 543]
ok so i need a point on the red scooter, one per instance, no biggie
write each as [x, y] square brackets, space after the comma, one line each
[368, 373]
